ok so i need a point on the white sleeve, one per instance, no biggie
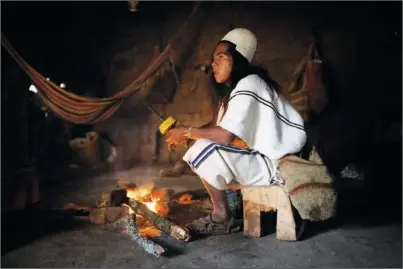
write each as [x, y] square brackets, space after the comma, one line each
[264, 120]
[239, 117]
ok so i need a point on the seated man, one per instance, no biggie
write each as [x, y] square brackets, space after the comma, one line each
[252, 111]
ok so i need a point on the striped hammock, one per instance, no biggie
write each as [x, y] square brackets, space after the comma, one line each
[87, 110]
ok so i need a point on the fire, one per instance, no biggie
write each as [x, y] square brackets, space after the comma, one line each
[150, 197]
[152, 206]
[149, 231]
[157, 200]
[159, 207]
[185, 199]
[139, 192]
[147, 195]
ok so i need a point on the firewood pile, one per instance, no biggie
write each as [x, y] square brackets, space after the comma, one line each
[145, 212]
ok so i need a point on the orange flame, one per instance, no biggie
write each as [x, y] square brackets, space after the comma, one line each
[152, 206]
[149, 231]
[143, 194]
[185, 199]
[139, 192]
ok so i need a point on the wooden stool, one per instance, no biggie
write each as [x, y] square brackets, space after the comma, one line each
[267, 198]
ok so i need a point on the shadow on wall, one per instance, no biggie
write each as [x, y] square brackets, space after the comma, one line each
[363, 76]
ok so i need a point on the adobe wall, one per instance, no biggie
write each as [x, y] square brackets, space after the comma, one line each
[350, 38]
[102, 55]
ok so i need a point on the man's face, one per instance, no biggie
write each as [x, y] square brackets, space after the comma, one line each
[222, 63]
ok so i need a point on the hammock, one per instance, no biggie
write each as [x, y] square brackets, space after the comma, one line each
[88, 110]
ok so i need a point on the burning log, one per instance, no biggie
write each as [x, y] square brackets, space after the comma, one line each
[120, 197]
[160, 222]
[129, 223]
[148, 245]
[109, 214]
[117, 216]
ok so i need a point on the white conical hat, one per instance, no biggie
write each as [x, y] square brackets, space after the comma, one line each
[244, 40]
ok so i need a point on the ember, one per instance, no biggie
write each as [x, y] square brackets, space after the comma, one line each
[185, 199]
[149, 231]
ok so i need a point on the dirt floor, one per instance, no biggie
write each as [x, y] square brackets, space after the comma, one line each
[359, 237]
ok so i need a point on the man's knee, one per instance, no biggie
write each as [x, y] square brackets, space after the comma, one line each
[197, 151]
[198, 147]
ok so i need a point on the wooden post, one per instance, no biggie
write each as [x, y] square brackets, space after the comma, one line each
[285, 228]
[252, 220]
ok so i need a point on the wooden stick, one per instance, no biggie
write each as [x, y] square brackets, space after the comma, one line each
[151, 247]
[160, 222]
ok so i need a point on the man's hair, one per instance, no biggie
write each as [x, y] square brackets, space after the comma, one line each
[240, 69]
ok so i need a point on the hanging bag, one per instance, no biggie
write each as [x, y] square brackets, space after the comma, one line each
[317, 93]
[307, 92]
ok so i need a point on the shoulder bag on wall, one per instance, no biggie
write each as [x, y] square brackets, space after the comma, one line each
[307, 91]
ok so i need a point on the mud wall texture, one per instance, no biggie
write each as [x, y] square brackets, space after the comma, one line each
[360, 46]
[361, 43]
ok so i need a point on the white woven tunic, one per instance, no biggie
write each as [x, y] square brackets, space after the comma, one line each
[267, 122]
